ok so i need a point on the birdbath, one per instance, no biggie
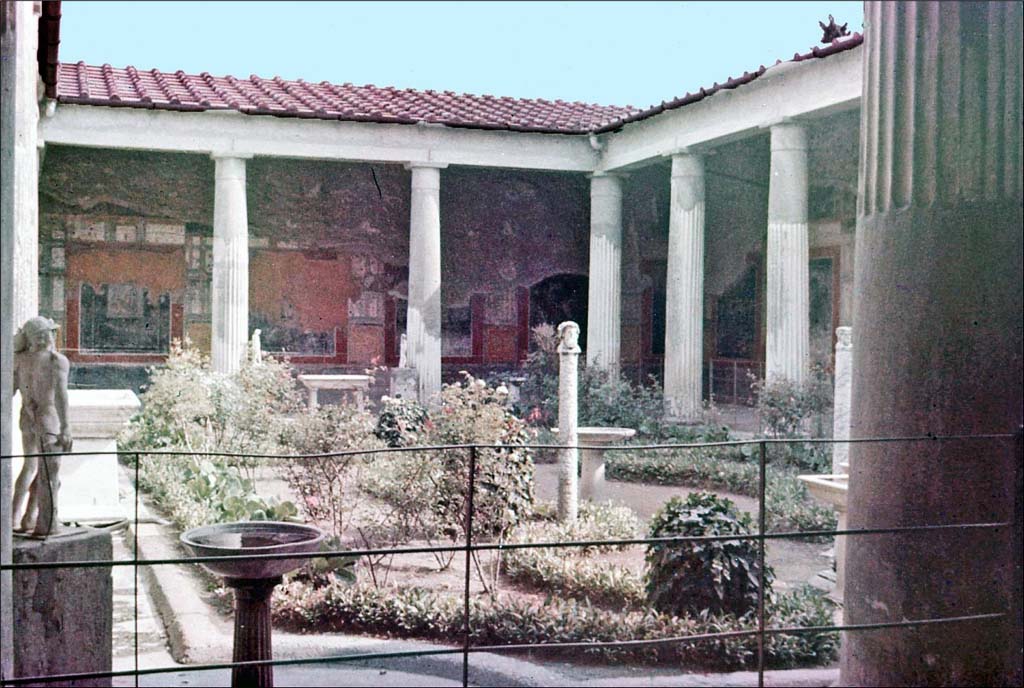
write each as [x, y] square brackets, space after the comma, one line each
[831, 490]
[253, 581]
[592, 457]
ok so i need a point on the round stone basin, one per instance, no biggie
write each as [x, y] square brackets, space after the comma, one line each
[589, 435]
[252, 537]
[595, 435]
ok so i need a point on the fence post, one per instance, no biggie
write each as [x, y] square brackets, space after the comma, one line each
[1017, 538]
[568, 455]
[469, 555]
[711, 378]
[761, 520]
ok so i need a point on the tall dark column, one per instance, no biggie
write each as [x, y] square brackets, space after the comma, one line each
[938, 341]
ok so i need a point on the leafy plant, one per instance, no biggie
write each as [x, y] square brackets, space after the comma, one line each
[714, 575]
[188, 407]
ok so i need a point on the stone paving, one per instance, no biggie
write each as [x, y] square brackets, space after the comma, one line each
[152, 640]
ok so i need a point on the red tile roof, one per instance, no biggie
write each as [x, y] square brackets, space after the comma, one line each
[130, 87]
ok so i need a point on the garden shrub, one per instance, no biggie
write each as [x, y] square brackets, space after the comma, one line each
[411, 612]
[327, 484]
[190, 408]
[714, 575]
[789, 410]
[605, 399]
[470, 412]
[401, 421]
[573, 572]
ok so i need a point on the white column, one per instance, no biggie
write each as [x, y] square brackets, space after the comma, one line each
[604, 295]
[568, 458]
[788, 336]
[26, 199]
[423, 324]
[18, 210]
[684, 293]
[841, 399]
[230, 293]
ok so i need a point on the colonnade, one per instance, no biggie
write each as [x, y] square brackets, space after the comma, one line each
[787, 271]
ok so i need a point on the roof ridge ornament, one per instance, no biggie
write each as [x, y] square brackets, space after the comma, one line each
[832, 31]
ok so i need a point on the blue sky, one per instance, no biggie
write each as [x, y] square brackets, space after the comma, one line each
[613, 53]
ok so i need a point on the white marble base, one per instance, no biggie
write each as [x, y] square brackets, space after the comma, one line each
[88, 489]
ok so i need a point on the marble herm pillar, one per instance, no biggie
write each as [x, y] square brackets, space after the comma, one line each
[841, 398]
[937, 346]
[568, 421]
[423, 341]
[605, 283]
[230, 293]
[684, 294]
[787, 342]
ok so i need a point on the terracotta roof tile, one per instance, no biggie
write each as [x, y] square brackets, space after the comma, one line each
[130, 87]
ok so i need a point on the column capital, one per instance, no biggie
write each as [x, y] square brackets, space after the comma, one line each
[686, 163]
[425, 165]
[788, 135]
[608, 174]
[231, 155]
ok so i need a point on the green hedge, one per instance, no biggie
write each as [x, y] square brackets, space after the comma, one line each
[788, 505]
[419, 613]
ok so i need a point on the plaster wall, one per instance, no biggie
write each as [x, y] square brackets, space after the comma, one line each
[328, 241]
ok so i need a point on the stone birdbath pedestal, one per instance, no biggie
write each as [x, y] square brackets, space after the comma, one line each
[831, 490]
[253, 581]
[593, 444]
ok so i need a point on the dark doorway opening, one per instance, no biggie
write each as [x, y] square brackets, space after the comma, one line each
[559, 298]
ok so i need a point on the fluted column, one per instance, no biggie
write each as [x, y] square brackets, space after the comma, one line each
[230, 293]
[937, 344]
[423, 324]
[788, 287]
[684, 293]
[26, 183]
[605, 291]
[19, 23]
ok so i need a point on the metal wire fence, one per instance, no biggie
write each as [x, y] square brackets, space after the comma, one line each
[1008, 613]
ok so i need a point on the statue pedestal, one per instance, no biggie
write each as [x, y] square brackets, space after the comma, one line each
[88, 490]
[63, 618]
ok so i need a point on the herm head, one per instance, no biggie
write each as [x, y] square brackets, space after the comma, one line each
[37, 334]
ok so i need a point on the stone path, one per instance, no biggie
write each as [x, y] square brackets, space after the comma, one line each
[152, 640]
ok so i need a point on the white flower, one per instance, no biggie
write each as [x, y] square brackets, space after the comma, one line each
[502, 389]
[385, 399]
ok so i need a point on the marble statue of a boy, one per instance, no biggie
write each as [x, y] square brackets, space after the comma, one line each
[41, 375]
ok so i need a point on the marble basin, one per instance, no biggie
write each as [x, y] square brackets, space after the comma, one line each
[252, 537]
[828, 489]
[831, 490]
[592, 443]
